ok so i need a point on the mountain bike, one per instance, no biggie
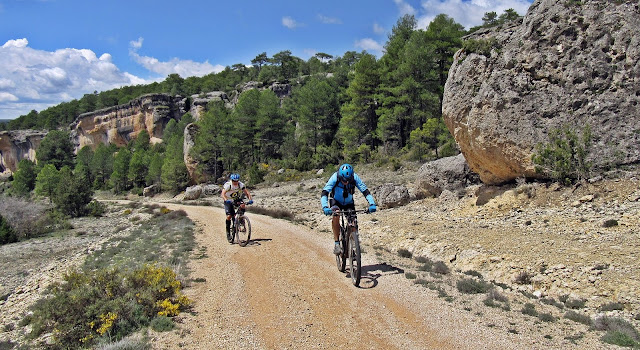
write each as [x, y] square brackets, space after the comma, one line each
[240, 230]
[350, 244]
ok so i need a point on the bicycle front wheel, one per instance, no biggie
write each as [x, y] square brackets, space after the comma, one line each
[355, 263]
[244, 230]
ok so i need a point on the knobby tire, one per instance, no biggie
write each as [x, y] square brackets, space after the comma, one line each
[243, 229]
[355, 263]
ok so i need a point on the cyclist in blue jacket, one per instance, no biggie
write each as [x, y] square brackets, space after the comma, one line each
[340, 187]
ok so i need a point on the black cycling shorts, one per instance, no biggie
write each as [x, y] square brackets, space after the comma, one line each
[333, 203]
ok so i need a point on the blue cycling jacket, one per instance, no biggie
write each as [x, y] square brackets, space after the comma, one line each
[342, 193]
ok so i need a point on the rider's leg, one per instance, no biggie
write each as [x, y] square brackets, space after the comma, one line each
[335, 226]
[228, 208]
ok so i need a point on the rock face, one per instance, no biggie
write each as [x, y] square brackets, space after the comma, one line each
[567, 64]
[16, 146]
[119, 124]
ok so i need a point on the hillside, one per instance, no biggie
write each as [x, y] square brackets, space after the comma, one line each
[554, 235]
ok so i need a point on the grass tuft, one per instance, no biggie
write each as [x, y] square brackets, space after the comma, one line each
[472, 286]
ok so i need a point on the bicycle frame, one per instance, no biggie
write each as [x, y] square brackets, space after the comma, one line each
[241, 225]
[350, 244]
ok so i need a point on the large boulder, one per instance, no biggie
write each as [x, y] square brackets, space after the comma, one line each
[566, 64]
[390, 195]
[449, 173]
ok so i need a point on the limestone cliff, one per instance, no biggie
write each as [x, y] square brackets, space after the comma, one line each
[18, 145]
[119, 124]
[566, 63]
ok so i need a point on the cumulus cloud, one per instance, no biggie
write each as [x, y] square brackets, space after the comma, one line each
[37, 79]
[329, 20]
[290, 22]
[184, 68]
[369, 45]
[467, 13]
[404, 8]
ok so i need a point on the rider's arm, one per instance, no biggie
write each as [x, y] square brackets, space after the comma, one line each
[324, 197]
[224, 194]
[247, 193]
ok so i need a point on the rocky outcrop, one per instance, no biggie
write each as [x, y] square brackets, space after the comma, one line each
[199, 102]
[282, 90]
[445, 174]
[120, 124]
[390, 195]
[567, 64]
[16, 146]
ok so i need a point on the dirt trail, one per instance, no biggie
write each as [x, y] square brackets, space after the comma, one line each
[283, 291]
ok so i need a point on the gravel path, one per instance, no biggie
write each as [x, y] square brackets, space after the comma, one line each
[283, 291]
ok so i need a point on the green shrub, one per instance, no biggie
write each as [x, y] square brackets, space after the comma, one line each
[95, 208]
[6, 232]
[481, 46]
[546, 317]
[575, 303]
[564, 158]
[620, 339]
[404, 253]
[610, 223]
[410, 275]
[441, 268]
[114, 303]
[611, 306]
[619, 331]
[473, 273]
[472, 286]
[162, 324]
[523, 278]
[529, 309]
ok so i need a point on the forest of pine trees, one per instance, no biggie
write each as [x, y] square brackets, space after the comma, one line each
[353, 108]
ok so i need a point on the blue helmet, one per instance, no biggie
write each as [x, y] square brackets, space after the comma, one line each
[345, 172]
[235, 177]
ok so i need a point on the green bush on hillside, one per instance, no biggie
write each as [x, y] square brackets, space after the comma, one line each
[109, 303]
[564, 158]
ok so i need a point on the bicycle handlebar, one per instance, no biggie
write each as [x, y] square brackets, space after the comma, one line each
[347, 212]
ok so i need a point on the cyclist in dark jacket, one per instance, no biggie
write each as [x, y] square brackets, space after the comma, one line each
[341, 187]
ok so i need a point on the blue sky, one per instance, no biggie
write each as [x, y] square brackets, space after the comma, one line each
[53, 51]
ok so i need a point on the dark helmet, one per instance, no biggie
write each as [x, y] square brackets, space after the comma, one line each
[235, 177]
[345, 172]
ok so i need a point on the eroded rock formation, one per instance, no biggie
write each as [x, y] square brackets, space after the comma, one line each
[119, 124]
[567, 64]
[16, 146]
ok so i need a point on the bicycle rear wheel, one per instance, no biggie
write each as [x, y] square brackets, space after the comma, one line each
[355, 263]
[341, 259]
[244, 230]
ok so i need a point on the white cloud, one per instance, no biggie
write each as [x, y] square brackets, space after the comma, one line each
[378, 29]
[467, 13]
[5, 96]
[37, 79]
[290, 22]
[329, 20]
[404, 8]
[369, 45]
[16, 43]
[184, 68]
